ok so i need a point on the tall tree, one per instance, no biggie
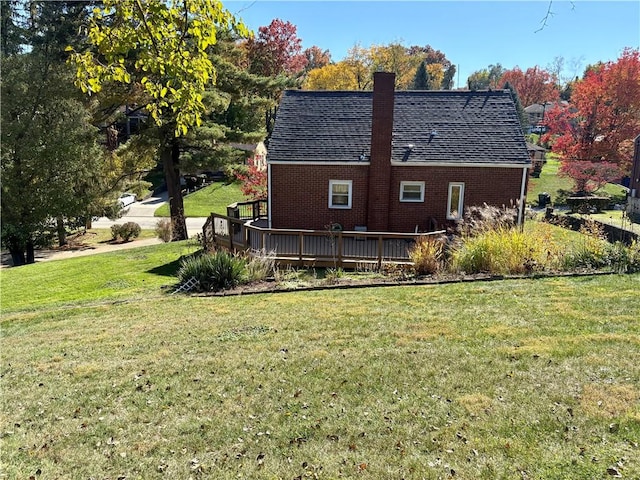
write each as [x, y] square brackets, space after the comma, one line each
[51, 159]
[160, 49]
[355, 72]
[421, 79]
[535, 85]
[316, 57]
[276, 50]
[603, 118]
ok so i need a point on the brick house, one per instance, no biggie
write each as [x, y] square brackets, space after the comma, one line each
[392, 161]
[633, 201]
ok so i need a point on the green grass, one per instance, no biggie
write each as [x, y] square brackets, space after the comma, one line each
[561, 187]
[93, 278]
[213, 198]
[534, 379]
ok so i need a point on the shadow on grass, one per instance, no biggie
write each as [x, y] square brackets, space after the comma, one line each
[168, 269]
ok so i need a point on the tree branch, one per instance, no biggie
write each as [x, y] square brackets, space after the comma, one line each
[546, 17]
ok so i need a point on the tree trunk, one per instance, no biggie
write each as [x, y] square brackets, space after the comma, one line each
[31, 255]
[62, 232]
[170, 155]
[17, 256]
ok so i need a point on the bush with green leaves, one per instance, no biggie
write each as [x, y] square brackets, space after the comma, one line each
[125, 232]
[213, 271]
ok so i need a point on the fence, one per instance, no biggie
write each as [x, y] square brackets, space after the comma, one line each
[310, 247]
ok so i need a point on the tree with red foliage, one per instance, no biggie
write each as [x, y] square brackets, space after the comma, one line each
[316, 57]
[254, 181]
[276, 50]
[533, 86]
[587, 176]
[599, 125]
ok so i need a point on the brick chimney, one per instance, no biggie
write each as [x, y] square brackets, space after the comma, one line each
[380, 164]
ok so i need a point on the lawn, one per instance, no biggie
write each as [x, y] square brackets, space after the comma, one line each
[561, 187]
[531, 379]
[213, 198]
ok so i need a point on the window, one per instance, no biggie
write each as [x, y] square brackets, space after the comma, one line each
[455, 201]
[339, 193]
[412, 191]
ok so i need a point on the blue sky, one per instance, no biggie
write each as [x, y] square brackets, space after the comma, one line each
[472, 34]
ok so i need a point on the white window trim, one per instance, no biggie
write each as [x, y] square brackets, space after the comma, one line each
[340, 182]
[460, 207]
[412, 200]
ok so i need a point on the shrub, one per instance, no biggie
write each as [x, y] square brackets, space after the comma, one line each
[591, 252]
[218, 271]
[480, 219]
[115, 231]
[125, 232]
[261, 265]
[426, 255]
[504, 251]
[164, 229]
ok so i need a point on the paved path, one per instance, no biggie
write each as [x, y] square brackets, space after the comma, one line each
[142, 214]
[138, 212]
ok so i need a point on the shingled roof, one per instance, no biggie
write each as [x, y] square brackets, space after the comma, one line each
[442, 127]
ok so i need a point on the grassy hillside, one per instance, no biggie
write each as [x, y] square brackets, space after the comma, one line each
[561, 187]
[213, 198]
[529, 379]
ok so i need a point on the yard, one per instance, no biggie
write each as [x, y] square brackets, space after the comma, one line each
[106, 375]
[213, 198]
[560, 187]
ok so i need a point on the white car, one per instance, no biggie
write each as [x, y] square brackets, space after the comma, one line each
[126, 199]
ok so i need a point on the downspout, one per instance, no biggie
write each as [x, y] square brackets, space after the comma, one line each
[522, 198]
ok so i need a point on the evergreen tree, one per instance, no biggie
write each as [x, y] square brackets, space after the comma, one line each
[421, 79]
[51, 158]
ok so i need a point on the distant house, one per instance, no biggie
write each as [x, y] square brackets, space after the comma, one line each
[258, 153]
[392, 161]
[633, 202]
[536, 115]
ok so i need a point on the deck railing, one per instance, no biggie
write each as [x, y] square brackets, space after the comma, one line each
[311, 247]
[248, 210]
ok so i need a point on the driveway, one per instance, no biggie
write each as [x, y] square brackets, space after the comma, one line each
[142, 214]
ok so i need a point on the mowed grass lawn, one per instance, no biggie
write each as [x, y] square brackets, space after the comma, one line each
[211, 199]
[561, 187]
[535, 379]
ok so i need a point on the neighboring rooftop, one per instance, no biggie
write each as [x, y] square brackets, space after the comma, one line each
[429, 127]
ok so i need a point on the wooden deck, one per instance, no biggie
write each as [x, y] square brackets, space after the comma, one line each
[311, 248]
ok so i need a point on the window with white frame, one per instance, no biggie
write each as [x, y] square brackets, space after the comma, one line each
[412, 191]
[455, 202]
[340, 193]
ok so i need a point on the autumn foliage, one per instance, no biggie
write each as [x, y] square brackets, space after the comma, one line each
[276, 50]
[535, 85]
[253, 181]
[594, 133]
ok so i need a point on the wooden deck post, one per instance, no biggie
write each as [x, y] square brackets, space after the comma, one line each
[380, 250]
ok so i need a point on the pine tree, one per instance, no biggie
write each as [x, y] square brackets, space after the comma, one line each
[421, 79]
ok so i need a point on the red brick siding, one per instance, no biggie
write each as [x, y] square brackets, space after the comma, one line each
[300, 194]
[495, 186]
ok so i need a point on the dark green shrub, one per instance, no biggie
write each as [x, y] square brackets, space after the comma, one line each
[125, 232]
[218, 271]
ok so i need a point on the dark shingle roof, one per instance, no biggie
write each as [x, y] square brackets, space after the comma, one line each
[326, 126]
